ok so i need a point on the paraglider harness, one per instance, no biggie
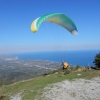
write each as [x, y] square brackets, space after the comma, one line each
[65, 65]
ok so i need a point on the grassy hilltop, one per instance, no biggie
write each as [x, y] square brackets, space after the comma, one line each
[31, 88]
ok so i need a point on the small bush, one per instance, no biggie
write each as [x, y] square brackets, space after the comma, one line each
[67, 72]
[77, 67]
[72, 68]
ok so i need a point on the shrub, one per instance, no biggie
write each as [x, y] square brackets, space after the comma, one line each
[77, 67]
[67, 72]
[72, 68]
[97, 60]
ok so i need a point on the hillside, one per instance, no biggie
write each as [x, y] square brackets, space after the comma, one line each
[13, 69]
[32, 89]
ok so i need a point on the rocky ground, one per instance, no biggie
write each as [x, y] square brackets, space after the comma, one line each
[78, 89]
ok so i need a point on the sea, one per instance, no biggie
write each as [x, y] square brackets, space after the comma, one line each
[72, 57]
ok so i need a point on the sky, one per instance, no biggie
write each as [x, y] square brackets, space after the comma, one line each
[16, 17]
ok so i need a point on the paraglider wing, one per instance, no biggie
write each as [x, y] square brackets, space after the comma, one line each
[58, 18]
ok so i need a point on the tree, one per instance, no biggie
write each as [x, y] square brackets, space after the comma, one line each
[97, 60]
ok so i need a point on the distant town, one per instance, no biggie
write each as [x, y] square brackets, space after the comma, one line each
[13, 69]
